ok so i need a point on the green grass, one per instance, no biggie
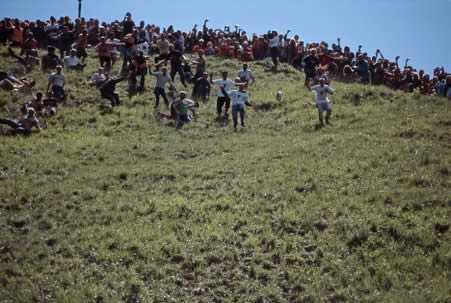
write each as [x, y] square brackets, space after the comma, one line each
[111, 205]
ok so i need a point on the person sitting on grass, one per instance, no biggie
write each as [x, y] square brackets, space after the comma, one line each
[162, 79]
[50, 105]
[98, 77]
[36, 103]
[51, 60]
[322, 102]
[239, 99]
[25, 124]
[57, 81]
[73, 62]
[108, 87]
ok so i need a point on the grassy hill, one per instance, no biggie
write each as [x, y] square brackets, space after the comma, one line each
[112, 205]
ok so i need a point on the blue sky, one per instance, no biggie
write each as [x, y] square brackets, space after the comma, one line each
[417, 29]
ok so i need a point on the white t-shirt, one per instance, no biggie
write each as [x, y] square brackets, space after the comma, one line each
[321, 93]
[228, 84]
[143, 47]
[238, 97]
[57, 80]
[274, 42]
[247, 74]
[114, 49]
[71, 61]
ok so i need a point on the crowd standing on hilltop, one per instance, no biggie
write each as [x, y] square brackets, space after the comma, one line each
[135, 44]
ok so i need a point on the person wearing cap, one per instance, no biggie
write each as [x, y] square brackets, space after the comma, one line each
[25, 124]
[162, 79]
[202, 88]
[322, 102]
[222, 100]
[51, 60]
[57, 80]
[239, 99]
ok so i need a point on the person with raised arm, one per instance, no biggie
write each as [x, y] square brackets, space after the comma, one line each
[223, 99]
[162, 79]
[322, 102]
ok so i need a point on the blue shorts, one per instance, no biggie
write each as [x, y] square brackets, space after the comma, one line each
[185, 118]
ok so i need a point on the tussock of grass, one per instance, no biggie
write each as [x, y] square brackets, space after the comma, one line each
[111, 205]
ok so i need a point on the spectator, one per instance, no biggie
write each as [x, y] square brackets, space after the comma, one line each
[57, 80]
[72, 61]
[98, 78]
[50, 61]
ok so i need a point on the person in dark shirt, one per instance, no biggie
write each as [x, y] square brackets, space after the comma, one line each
[138, 68]
[50, 61]
[66, 39]
[310, 63]
[202, 88]
[176, 58]
[107, 90]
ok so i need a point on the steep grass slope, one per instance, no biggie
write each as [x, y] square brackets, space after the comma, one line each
[111, 205]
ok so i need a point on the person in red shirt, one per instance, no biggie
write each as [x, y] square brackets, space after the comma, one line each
[104, 51]
[29, 46]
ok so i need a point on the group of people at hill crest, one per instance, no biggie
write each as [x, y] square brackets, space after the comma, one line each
[162, 53]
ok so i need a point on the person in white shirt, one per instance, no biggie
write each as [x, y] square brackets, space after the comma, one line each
[57, 80]
[227, 84]
[73, 62]
[273, 45]
[322, 102]
[246, 74]
[98, 77]
[239, 99]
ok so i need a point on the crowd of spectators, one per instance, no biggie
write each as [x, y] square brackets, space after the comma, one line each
[136, 43]
[111, 39]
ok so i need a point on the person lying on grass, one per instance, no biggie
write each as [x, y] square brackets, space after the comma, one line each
[25, 124]
[9, 82]
[322, 102]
